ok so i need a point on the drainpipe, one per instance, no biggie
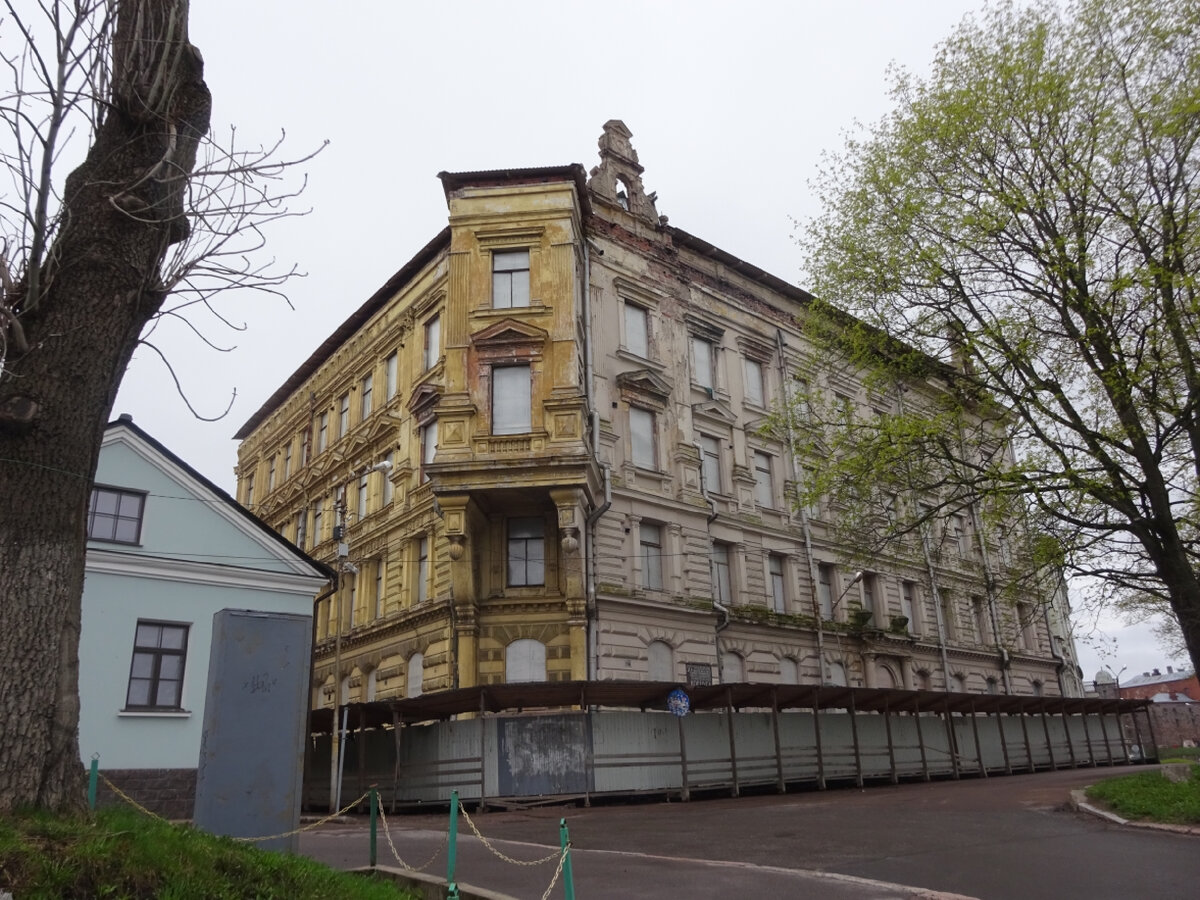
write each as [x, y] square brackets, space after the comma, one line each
[806, 530]
[591, 645]
[721, 626]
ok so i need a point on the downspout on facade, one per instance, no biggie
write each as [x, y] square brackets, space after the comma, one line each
[591, 645]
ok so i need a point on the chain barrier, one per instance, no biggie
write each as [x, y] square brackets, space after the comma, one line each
[124, 796]
[388, 834]
[562, 858]
[508, 859]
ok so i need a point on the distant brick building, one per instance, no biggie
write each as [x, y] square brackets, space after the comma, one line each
[1181, 685]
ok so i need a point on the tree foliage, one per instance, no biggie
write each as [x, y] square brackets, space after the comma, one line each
[1019, 238]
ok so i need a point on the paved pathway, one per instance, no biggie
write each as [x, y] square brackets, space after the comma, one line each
[1001, 838]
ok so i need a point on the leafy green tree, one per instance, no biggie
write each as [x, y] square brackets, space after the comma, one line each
[1018, 239]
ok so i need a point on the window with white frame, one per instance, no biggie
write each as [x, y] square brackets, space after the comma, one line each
[710, 463]
[422, 570]
[764, 483]
[524, 661]
[429, 437]
[637, 330]
[156, 672]
[354, 611]
[837, 675]
[703, 363]
[870, 595]
[722, 577]
[826, 577]
[526, 551]
[343, 415]
[642, 443]
[287, 461]
[391, 375]
[949, 615]
[755, 387]
[317, 524]
[512, 407]
[389, 488]
[661, 660]
[115, 515]
[908, 604]
[789, 671]
[378, 598]
[732, 668]
[1025, 630]
[433, 342]
[271, 473]
[250, 491]
[979, 612]
[650, 537]
[364, 494]
[510, 279]
[301, 523]
[365, 400]
[777, 582]
[323, 432]
[414, 678]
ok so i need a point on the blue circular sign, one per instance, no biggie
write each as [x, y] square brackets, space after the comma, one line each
[678, 702]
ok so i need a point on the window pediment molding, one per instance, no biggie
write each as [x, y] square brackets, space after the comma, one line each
[507, 334]
[646, 384]
[715, 411]
[641, 294]
[755, 350]
[504, 238]
[701, 328]
[423, 398]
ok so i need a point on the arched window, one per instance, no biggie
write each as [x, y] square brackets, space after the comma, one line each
[789, 671]
[886, 677]
[525, 660]
[958, 683]
[372, 679]
[992, 686]
[1037, 689]
[415, 680]
[345, 693]
[837, 675]
[924, 680]
[662, 661]
[731, 668]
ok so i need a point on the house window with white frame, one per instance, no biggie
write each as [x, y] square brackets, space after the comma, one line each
[428, 440]
[323, 432]
[391, 375]
[764, 483]
[710, 463]
[660, 658]
[343, 415]
[510, 279]
[414, 676]
[301, 523]
[422, 569]
[389, 488]
[287, 461]
[365, 401]
[378, 588]
[637, 330]
[115, 515]
[777, 582]
[870, 596]
[271, 473]
[512, 405]
[433, 342]
[755, 387]
[642, 438]
[722, 576]
[526, 552]
[364, 494]
[908, 604]
[317, 516]
[650, 538]
[703, 363]
[525, 661]
[826, 578]
[156, 672]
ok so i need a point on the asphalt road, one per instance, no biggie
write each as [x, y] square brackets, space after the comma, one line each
[1009, 837]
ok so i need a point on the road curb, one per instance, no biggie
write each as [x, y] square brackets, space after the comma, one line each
[1080, 804]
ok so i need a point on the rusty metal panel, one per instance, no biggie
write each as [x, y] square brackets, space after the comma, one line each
[542, 755]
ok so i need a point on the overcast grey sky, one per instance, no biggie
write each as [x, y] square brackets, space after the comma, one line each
[730, 105]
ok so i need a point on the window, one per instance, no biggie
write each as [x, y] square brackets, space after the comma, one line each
[344, 415]
[641, 438]
[422, 570]
[732, 669]
[650, 539]
[837, 675]
[372, 684]
[710, 463]
[301, 522]
[368, 385]
[637, 332]
[271, 474]
[789, 671]
[702, 363]
[980, 613]
[378, 588]
[870, 595]
[1038, 690]
[429, 436]
[526, 552]
[764, 484]
[287, 462]
[511, 404]
[389, 489]
[156, 673]
[949, 619]
[908, 604]
[354, 616]
[317, 537]
[115, 515]
[433, 342]
[1025, 636]
[364, 494]
[662, 661]
[510, 279]
[250, 490]
[323, 432]
[958, 526]
[415, 677]
[825, 579]
[525, 660]
[722, 582]
[992, 686]
[775, 577]
[391, 369]
[755, 392]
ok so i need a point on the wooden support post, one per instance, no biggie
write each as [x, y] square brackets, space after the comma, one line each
[858, 768]
[1070, 740]
[951, 742]
[1049, 742]
[778, 747]
[887, 724]
[978, 746]
[1003, 744]
[817, 735]
[736, 790]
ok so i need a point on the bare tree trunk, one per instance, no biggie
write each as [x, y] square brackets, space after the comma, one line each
[99, 286]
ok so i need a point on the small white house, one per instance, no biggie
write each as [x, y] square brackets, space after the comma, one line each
[167, 549]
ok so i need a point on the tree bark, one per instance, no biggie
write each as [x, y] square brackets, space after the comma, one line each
[123, 209]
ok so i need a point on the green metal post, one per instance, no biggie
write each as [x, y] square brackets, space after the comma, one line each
[374, 822]
[564, 839]
[93, 781]
[452, 848]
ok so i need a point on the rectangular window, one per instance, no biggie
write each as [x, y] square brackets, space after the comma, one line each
[755, 392]
[949, 618]
[368, 385]
[323, 432]
[870, 596]
[316, 535]
[1025, 636]
[637, 332]
[433, 342]
[710, 463]
[958, 526]
[391, 368]
[156, 673]
[908, 604]
[378, 588]
[775, 576]
[389, 489]
[364, 494]
[764, 484]
[650, 540]
[300, 527]
[702, 363]
[429, 436]
[422, 570]
[979, 611]
[115, 515]
[722, 581]
[526, 552]
[287, 462]
[641, 438]
[250, 491]
[271, 473]
[511, 400]
[825, 580]
[354, 614]
[344, 415]
[510, 279]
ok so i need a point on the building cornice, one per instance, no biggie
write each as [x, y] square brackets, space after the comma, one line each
[138, 565]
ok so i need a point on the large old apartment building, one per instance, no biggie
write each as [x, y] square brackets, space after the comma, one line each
[537, 453]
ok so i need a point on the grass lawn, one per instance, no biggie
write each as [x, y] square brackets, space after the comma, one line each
[1152, 797]
[119, 853]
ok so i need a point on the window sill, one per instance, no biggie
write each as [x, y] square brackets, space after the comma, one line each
[154, 713]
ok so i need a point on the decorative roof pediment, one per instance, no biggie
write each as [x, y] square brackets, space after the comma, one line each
[645, 381]
[508, 332]
[715, 410]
